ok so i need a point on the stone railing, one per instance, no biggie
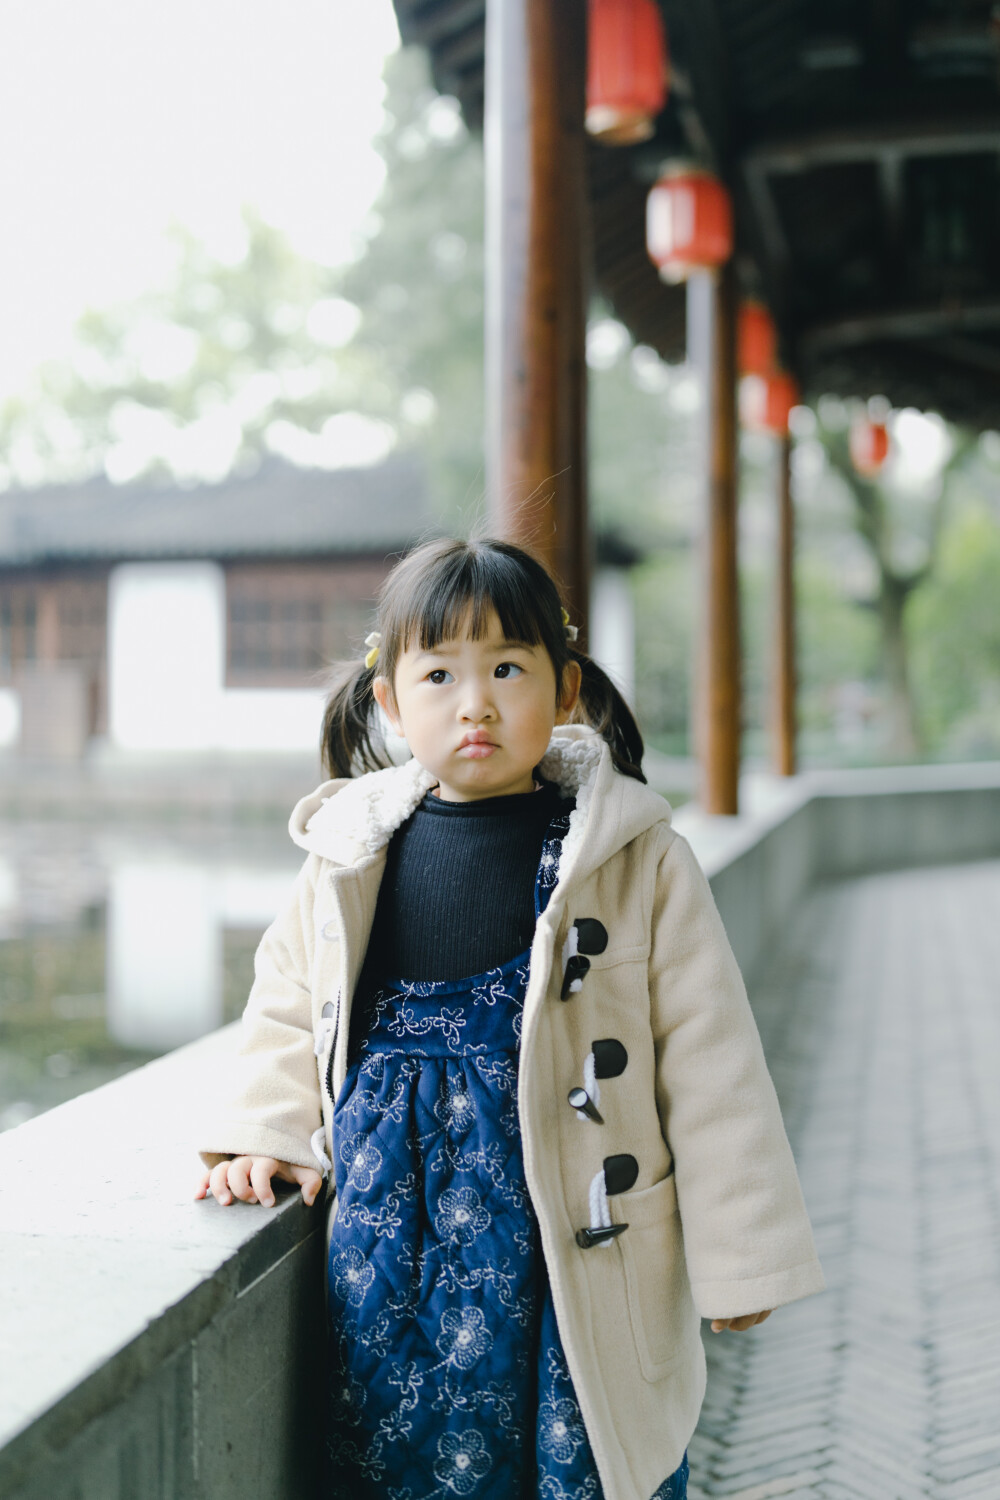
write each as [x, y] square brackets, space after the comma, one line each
[154, 1348]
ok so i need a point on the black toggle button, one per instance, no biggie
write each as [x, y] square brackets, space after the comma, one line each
[576, 971]
[591, 935]
[581, 1101]
[620, 1173]
[588, 1238]
[610, 1058]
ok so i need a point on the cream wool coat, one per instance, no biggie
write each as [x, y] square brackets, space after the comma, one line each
[717, 1226]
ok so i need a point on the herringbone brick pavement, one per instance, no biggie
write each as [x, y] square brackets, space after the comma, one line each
[881, 1019]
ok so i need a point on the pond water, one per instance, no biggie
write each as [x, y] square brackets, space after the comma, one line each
[118, 944]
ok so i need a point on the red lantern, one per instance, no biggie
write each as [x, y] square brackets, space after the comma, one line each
[627, 70]
[689, 223]
[869, 445]
[766, 401]
[756, 340]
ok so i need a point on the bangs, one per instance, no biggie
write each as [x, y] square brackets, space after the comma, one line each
[459, 597]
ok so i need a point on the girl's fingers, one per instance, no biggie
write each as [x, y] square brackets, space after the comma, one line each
[739, 1325]
[239, 1178]
[308, 1179]
[249, 1178]
[260, 1179]
[218, 1181]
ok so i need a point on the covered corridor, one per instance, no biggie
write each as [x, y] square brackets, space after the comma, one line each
[880, 1017]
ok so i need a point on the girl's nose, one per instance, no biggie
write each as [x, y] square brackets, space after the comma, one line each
[477, 703]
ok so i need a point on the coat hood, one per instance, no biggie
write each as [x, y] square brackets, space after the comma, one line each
[347, 820]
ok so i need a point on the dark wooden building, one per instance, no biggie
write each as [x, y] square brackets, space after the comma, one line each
[302, 551]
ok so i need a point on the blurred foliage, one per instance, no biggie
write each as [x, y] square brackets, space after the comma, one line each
[218, 341]
[230, 360]
[420, 288]
[663, 588]
[954, 625]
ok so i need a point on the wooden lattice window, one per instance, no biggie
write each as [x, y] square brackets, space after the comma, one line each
[286, 625]
[18, 625]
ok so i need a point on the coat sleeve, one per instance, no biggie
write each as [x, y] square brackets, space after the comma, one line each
[270, 1100]
[747, 1238]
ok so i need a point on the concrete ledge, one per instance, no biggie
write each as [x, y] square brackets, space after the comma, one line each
[154, 1348]
[151, 1346]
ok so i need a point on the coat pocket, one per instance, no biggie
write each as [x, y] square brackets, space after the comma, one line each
[660, 1305]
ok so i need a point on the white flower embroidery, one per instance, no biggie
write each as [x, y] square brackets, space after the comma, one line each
[461, 1216]
[457, 1107]
[462, 1461]
[464, 1337]
[351, 1276]
[362, 1160]
[548, 868]
[560, 1431]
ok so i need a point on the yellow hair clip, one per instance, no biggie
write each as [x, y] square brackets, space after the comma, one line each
[571, 630]
[374, 641]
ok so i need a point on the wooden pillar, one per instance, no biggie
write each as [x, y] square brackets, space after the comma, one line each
[537, 259]
[711, 339]
[784, 687]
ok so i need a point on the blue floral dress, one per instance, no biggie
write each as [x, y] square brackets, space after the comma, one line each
[447, 1374]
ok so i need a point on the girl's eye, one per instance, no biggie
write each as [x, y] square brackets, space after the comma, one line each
[508, 669]
[438, 676]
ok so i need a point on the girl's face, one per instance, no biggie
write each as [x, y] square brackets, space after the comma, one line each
[478, 714]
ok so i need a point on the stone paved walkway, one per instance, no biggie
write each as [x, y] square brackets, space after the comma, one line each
[881, 1019]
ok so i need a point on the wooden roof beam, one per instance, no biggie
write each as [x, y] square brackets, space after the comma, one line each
[875, 143]
[902, 324]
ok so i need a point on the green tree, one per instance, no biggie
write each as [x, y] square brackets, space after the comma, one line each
[420, 286]
[239, 345]
[954, 627]
[900, 533]
[265, 352]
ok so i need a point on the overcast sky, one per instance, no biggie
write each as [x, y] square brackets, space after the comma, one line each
[118, 118]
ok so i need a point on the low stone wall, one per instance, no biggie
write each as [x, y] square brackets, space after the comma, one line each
[154, 1348]
[151, 1347]
[825, 826]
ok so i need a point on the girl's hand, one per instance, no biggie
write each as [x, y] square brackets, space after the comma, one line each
[739, 1324]
[249, 1178]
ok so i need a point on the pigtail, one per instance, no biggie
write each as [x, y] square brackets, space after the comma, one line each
[351, 740]
[604, 709]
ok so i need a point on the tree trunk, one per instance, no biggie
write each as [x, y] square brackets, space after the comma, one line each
[904, 739]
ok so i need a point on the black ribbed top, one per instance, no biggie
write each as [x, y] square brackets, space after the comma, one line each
[458, 893]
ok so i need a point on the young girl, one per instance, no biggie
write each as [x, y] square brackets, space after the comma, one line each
[501, 1010]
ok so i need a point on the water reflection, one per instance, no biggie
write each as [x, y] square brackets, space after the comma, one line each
[118, 945]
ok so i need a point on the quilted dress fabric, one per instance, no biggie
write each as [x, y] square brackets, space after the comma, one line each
[447, 1375]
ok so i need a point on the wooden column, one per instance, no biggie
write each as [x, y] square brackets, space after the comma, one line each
[711, 339]
[784, 687]
[537, 259]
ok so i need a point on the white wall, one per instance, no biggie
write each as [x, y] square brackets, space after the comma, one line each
[10, 717]
[166, 670]
[164, 940]
[612, 628]
[164, 954]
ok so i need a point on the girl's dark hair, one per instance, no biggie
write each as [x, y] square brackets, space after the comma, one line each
[436, 593]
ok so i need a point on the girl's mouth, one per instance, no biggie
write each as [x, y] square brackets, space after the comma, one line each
[477, 745]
